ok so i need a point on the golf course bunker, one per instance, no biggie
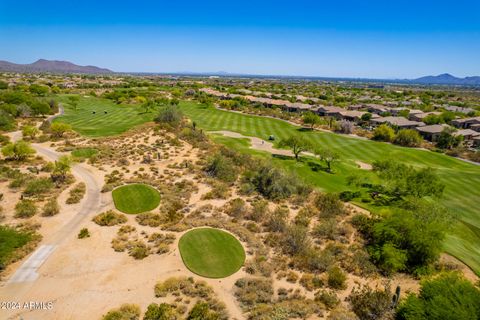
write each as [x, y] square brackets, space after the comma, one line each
[136, 198]
[211, 253]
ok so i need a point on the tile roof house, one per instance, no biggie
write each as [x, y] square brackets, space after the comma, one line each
[465, 123]
[400, 122]
[329, 110]
[432, 132]
[421, 116]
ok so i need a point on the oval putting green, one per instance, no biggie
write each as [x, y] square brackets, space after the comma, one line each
[136, 198]
[211, 253]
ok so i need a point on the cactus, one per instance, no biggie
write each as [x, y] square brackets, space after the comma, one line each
[396, 297]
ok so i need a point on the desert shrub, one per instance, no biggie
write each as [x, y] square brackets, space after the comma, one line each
[51, 208]
[274, 183]
[109, 218]
[329, 299]
[221, 168]
[291, 308]
[138, 249]
[336, 278]
[25, 209]
[383, 133]
[84, 233]
[169, 115]
[259, 210]
[253, 291]
[171, 285]
[125, 312]
[368, 303]
[38, 187]
[162, 311]
[149, 219]
[260, 265]
[341, 314]
[314, 260]
[311, 282]
[329, 205]
[408, 138]
[219, 190]
[76, 193]
[17, 151]
[236, 208]
[406, 240]
[448, 296]
[326, 230]
[277, 221]
[202, 311]
[296, 240]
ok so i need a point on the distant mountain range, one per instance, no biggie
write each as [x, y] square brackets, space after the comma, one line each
[448, 79]
[52, 66]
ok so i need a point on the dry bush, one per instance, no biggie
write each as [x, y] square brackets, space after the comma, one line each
[125, 312]
[25, 209]
[51, 208]
[149, 219]
[109, 218]
[253, 291]
[327, 298]
[76, 194]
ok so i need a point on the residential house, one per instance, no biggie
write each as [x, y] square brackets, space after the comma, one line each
[329, 111]
[422, 116]
[432, 132]
[467, 134]
[399, 122]
[465, 123]
[376, 108]
[458, 109]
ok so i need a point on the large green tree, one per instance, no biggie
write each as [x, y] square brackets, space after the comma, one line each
[297, 144]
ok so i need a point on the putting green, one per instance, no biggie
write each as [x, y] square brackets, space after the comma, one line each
[211, 253]
[136, 198]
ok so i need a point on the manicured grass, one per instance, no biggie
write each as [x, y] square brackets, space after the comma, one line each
[116, 120]
[11, 240]
[84, 153]
[211, 253]
[135, 198]
[462, 179]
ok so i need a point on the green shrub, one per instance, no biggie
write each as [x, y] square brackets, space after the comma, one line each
[329, 299]
[383, 133]
[221, 168]
[138, 249]
[329, 205]
[38, 187]
[51, 208]
[448, 296]
[109, 218]
[25, 209]
[125, 312]
[162, 311]
[336, 278]
[84, 233]
[371, 304]
[408, 138]
[202, 311]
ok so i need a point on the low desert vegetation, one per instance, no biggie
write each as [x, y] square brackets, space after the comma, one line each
[109, 218]
[77, 193]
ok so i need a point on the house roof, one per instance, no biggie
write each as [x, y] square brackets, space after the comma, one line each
[426, 114]
[398, 121]
[330, 109]
[466, 132]
[435, 128]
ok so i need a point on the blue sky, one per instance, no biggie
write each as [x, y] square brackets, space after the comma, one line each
[375, 39]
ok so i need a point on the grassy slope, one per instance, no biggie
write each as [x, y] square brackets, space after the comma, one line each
[211, 253]
[135, 198]
[10, 240]
[462, 179]
[118, 119]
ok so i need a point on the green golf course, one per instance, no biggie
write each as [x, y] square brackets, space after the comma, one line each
[95, 117]
[136, 198]
[211, 253]
[462, 179]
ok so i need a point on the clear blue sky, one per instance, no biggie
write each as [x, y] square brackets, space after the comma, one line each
[382, 39]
